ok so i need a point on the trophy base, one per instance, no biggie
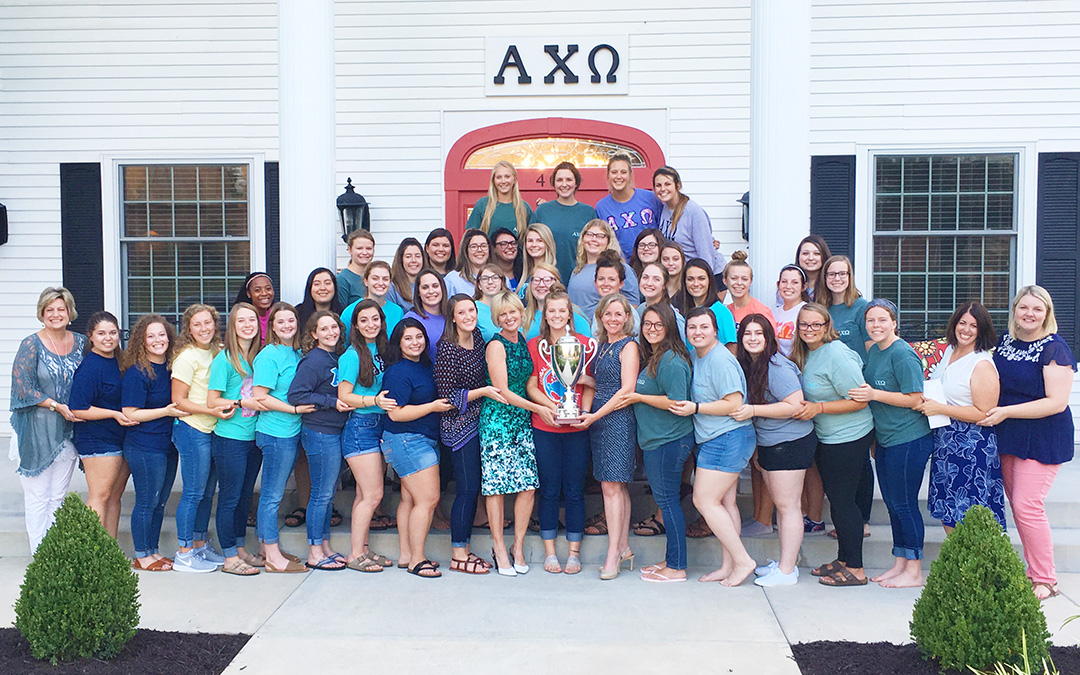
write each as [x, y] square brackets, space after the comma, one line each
[567, 421]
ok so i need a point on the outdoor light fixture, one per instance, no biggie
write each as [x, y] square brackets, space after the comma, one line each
[354, 212]
[745, 201]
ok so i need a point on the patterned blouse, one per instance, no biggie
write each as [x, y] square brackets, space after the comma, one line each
[37, 375]
[457, 371]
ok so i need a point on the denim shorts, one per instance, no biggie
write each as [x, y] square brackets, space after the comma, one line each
[409, 453]
[93, 447]
[362, 434]
[729, 452]
[788, 455]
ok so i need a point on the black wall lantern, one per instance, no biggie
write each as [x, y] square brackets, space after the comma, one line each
[3, 225]
[354, 211]
[745, 201]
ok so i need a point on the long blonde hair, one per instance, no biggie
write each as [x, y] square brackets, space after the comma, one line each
[532, 306]
[520, 213]
[233, 351]
[544, 232]
[612, 242]
[557, 294]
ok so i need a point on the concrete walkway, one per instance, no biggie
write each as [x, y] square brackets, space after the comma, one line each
[326, 621]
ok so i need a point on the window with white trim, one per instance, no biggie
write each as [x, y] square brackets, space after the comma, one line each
[184, 236]
[945, 229]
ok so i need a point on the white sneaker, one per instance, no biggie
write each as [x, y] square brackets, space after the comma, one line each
[192, 562]
[766, 568]
[207, 553]
[778, 578]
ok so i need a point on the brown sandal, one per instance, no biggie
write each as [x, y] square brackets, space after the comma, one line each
[162, 565]
[699, 529]
[828, 569]
[596, 525]
[472, 565]
[842, 577]
[1052, 588]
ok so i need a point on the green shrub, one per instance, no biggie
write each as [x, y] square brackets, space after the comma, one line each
[978, 605]
[80, 598]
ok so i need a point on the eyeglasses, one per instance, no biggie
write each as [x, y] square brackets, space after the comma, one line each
[595, 235]
[543, 281]
[817, 325]
[652, 325]
[837, 275]
[488, 278]
[481, 246]
[507, 244]
[648, 245]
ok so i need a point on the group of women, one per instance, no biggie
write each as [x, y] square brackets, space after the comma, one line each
[440, 358]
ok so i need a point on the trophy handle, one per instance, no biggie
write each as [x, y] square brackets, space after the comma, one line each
[590, 353]
[545, 352]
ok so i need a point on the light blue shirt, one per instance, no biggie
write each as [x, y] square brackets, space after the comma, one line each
[349, 371]
[275, 367]
[391, 312]
[831, 371]
[716, 375]
[233, 386]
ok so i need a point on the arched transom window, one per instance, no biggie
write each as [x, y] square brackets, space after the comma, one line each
[544, 153]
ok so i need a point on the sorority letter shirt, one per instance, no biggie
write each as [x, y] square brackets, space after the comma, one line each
[831, 371]
[630, 217]
[896, 369]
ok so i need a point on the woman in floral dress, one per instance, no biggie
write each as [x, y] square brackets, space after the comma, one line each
[507, 458]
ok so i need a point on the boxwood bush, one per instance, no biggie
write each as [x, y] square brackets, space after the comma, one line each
[978, 605]
[80, 597]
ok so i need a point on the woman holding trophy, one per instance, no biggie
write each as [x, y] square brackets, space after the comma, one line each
[562, 451]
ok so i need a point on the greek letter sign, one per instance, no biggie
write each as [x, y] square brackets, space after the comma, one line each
[557, 66]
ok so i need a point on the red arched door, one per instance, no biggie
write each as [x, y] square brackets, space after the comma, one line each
[534, 147]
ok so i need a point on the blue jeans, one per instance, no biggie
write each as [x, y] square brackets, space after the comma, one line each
[663, 467]
[900, 471]
[279, 457]
[466, 463]
[561, 463]
[153, 474]
[197, 472]
[232, 459]
[324, 463]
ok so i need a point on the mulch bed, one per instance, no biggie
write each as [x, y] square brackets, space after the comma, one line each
[885, 658]
[150, 651]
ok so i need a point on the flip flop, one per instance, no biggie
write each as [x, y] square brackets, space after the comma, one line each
[657, 578]
[425, 566]
[327, 564]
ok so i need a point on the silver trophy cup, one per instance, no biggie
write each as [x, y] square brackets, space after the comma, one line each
[567, 358]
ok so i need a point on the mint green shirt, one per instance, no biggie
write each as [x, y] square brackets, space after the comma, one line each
[831, 371]
[275, 367]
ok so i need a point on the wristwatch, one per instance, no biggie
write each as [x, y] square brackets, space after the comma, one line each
[52, 407]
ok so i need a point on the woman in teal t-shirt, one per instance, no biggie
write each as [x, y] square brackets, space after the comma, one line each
[277, 430]
[565, 216]
[845, 430]
[893, 387]
[503, 206]
[232, 444]
[360, 374]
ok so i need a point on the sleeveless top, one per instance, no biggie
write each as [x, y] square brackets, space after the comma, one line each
[956, 377]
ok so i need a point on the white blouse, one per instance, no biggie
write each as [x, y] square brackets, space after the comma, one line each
[956, 377]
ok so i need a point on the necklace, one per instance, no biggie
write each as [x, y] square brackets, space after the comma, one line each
[52, 344]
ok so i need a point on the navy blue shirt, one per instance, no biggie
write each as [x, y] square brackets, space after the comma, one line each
[316, 383]
[139, 391]
[412, 383]
[96, 384]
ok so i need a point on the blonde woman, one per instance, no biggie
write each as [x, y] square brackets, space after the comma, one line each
[596, 238]
[502, 207]
[539, 246]
[198, 345]
[1033, 424]
[613, 432]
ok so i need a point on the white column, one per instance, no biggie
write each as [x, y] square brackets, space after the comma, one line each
[779, 137]
[306, 137]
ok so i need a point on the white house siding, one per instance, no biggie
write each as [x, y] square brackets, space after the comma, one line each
[81, 80]
[411, 75]
[939, 75]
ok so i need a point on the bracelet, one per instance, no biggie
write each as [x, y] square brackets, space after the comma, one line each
[294, 410]
[52, 407]
[697, 408]
[822, 407]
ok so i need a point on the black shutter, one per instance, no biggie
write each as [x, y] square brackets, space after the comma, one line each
[81, 237]
[271, 197]
[1058, 236]
[832, 202]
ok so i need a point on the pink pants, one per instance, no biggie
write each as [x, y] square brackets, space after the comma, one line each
[1027, 483]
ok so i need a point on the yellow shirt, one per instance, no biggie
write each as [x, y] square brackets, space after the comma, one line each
[192, 367]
